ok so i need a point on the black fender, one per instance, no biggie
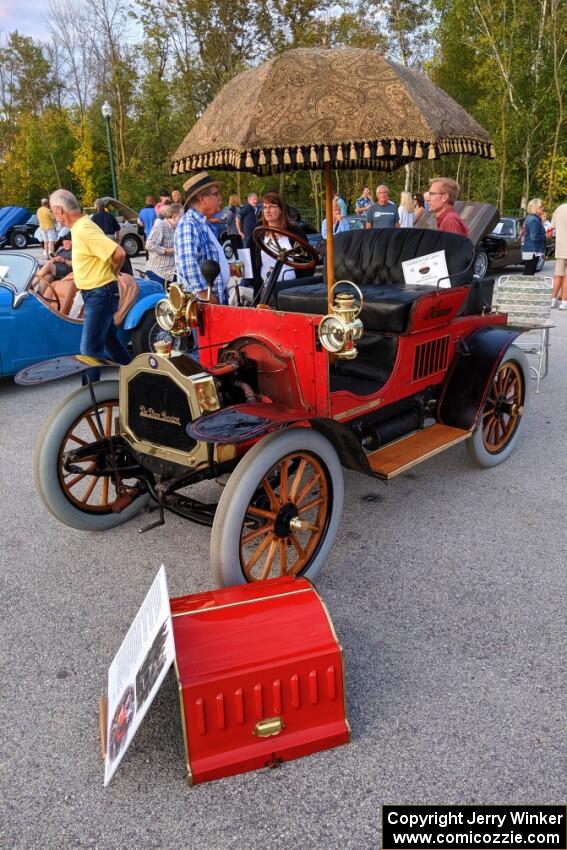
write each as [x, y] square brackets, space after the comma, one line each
[471, 375]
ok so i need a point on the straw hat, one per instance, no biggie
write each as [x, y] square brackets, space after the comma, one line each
[197, 183]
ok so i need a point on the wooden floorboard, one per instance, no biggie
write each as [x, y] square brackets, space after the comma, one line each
[409, 451]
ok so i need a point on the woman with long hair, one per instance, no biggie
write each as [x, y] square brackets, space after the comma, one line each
[274, 214]
[418, 207]
[406, 210]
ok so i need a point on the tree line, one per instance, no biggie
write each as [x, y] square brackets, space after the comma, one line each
[159, 64]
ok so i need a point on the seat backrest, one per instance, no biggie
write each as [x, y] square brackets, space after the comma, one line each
[376, 256]
[525, 298]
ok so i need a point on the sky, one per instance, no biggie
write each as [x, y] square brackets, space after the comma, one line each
[26, 16]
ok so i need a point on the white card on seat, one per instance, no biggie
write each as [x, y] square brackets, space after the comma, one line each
[427, 270]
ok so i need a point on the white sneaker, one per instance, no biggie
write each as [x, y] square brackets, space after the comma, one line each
[563, 305]
[554, 302]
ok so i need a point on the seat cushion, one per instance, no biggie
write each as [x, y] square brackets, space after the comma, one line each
[385, 309]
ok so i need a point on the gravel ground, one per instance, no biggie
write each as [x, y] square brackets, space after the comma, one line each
[448, 591]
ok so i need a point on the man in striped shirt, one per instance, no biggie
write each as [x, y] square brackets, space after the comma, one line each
[193, 240]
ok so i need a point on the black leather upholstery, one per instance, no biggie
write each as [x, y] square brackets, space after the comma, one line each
[373, 260]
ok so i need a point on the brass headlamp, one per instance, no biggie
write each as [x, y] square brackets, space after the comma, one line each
[339, 330]
[179, 312]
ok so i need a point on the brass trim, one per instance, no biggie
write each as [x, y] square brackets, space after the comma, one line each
[183, 723]
[268, 727]
[353, 411]
[245, 602]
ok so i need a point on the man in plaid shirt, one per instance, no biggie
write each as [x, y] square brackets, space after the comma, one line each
[194, 241]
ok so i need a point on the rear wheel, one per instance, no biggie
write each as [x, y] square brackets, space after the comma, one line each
[481, 265]
[280, 510]
[502, 418]
[81, 497]
[540, 264]
[19, 240]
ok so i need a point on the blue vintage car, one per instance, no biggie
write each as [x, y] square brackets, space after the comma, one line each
[33, 328]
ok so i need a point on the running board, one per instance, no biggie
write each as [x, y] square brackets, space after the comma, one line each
[397, 457]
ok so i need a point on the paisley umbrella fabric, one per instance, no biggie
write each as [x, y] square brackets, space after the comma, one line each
[311, 106]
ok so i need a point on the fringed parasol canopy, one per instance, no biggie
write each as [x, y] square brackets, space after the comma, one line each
[310, 107]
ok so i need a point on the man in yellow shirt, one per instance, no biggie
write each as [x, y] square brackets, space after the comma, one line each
[96, 263]
[47, 227]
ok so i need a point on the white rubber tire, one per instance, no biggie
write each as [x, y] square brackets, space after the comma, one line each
[46, 472]
[475, 444]
[243, 483]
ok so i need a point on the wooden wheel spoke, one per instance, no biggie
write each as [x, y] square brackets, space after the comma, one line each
[311, 527]
[283, 557]
[270, 559]
[90, 489]
[258, 532]
[259, 549]
[78, 440]
[95, 432]
[108, 422]
[297, 546]
[254, 511]
[297, 479]
[314, 502]
[105, 487]
[284, 481]
[306, 489]
[274, 502]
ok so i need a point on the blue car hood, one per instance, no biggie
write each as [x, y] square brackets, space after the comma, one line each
[10, 216]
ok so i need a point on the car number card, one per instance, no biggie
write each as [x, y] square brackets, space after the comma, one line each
[137, 671]
[427, 270]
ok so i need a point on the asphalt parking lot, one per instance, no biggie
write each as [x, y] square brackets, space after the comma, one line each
[448, 590]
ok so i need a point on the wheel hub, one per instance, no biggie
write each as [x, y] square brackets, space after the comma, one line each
[287, 520]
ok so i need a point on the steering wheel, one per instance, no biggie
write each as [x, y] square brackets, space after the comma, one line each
[301, 255]
[55, 296]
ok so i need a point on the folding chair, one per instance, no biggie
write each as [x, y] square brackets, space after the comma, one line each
[526, 299]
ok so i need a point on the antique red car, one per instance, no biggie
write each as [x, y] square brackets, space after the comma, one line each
[279, 399]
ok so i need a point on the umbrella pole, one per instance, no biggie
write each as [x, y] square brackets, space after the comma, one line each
[330, 239]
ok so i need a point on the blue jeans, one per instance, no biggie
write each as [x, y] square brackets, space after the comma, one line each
[100, 337]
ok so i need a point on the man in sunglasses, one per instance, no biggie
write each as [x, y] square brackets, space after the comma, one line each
[441, 197]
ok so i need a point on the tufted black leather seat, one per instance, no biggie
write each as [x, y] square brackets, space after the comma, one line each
[373, 260]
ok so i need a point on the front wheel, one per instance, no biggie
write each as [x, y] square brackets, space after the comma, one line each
[83, 497]
[502, 418]
[280, 510]
[148, 332]
[132, 245]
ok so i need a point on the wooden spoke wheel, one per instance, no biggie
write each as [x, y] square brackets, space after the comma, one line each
[503, 415]
[84, 486]
[286, 518]
[94, 491]
[279, 512]
[503, 407]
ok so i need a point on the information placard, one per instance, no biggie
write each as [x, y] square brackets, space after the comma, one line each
[427, 270]
[137, 671]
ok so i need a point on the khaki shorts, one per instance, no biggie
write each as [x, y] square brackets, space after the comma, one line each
[560, 267]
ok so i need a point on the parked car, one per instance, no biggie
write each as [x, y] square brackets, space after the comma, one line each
[130, 238]
[17, 227]
[415, 369]
[502, 247]
[33, 328]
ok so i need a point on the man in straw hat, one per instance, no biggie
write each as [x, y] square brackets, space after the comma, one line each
[194, 240]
